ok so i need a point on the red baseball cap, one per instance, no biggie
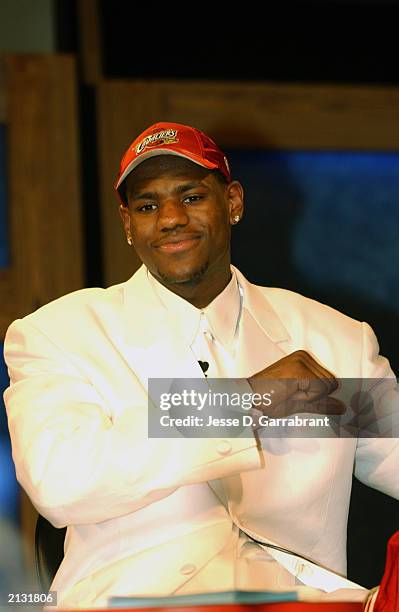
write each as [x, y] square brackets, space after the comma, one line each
[172, 139]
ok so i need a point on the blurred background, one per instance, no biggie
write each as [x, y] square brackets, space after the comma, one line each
[303, 96]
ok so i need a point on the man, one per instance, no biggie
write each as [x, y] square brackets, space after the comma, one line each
[165, 516]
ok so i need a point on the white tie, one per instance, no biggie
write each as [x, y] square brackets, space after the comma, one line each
[207, 348]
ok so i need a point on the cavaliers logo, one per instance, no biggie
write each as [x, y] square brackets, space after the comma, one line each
[165, 137]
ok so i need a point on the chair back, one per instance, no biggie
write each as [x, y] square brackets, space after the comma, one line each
[49, 551]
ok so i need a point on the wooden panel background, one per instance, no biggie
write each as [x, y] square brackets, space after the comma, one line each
[237, 115]
[43, 184]
[39, 107]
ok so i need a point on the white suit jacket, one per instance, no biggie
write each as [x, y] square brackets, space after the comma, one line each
[142, 516]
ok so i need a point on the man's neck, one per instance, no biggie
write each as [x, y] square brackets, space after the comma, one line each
[202, 291]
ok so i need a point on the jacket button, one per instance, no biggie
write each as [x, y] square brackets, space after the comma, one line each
[187, 569]
[224, 447]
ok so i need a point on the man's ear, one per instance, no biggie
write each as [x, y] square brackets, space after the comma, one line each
[125, 216]
[235, 197]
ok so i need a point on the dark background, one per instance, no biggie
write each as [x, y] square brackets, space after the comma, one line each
[346, 42]
[319, 42]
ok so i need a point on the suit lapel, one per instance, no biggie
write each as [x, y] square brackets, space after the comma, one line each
[261, 309]
[263, 338]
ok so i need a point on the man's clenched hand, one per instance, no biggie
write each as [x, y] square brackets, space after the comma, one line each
[297, 384]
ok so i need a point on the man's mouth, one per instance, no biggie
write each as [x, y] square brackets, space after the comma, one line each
[175, 244]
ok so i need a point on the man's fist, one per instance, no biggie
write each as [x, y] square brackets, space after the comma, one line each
[298, 384]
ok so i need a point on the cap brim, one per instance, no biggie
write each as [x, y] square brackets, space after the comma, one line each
[163, 151]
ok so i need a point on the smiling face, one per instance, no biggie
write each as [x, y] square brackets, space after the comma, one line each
[179, 216]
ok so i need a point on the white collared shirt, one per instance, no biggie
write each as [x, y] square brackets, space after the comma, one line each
[210, 332]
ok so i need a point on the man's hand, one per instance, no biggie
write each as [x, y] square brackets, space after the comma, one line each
[297, 383]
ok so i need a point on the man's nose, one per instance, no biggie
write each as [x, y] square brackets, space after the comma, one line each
[172, 213]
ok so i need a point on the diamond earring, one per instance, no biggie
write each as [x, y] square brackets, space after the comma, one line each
[236, 219]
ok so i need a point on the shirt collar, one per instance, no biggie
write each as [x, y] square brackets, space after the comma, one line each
[222, 313]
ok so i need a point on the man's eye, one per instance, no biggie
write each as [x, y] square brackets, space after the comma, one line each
[192, 199]
[147, 207]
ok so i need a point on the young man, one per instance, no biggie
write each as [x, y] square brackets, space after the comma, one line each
[165, 516]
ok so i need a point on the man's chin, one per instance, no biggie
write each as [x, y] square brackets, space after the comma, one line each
[189, 277]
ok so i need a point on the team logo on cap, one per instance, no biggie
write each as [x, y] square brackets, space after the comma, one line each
[165, 137]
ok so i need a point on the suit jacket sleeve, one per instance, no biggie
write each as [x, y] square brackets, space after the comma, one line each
[79, 463]
[377, 458]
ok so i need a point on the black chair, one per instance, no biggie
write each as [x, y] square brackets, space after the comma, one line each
[49, 551]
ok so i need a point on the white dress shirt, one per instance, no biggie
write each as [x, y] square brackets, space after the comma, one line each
[210, 332]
